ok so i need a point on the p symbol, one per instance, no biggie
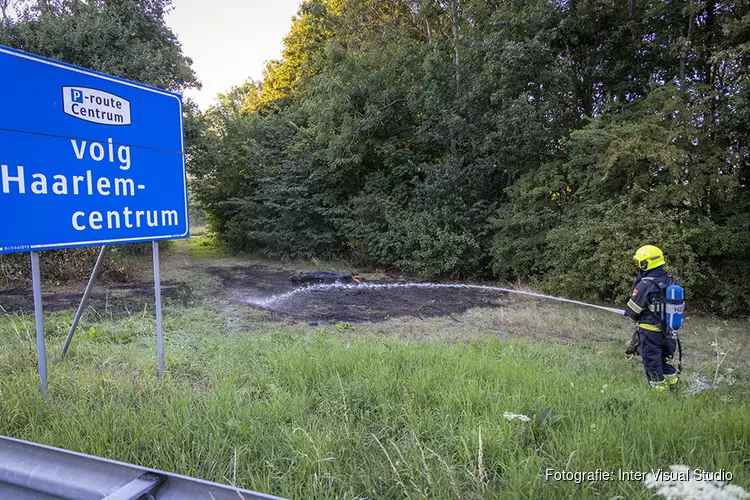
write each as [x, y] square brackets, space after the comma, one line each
[76, 95]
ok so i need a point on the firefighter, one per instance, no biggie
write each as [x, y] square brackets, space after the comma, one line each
[652, 340]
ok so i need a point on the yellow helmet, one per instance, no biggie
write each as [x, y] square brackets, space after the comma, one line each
[649, 257]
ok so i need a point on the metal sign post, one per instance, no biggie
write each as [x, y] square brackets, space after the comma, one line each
[41, 351]
[157, 294]
[84, 301]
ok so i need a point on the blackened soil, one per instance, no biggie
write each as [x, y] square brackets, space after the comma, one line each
[253, 285]
[239, 282]
[110, 300]
[356, 306]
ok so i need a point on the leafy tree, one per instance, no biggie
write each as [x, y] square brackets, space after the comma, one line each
[533, 140]
[125, 38]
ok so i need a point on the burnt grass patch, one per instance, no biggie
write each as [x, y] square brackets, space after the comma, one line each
[111, 300]
[374, 305]
[254, 280]
[254, 285]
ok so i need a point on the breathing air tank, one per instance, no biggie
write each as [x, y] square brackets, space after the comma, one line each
[675, 307]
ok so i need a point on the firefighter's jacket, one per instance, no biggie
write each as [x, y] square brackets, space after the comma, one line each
[644, 305]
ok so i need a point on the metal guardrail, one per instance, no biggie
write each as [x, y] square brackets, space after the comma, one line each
[35, 471]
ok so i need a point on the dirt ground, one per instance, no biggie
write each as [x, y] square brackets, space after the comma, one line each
[254, 285]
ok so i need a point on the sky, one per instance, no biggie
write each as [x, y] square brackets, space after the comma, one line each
[229, 41]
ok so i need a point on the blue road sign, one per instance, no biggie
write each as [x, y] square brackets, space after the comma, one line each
[86, 158]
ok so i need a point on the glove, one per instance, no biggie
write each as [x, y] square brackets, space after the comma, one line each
[630, 348]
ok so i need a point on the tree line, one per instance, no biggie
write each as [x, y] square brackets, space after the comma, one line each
[536, 140]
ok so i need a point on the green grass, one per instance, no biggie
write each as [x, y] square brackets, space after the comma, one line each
[401, 409]
[323, 415]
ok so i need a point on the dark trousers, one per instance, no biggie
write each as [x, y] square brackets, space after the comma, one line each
[657, 351]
